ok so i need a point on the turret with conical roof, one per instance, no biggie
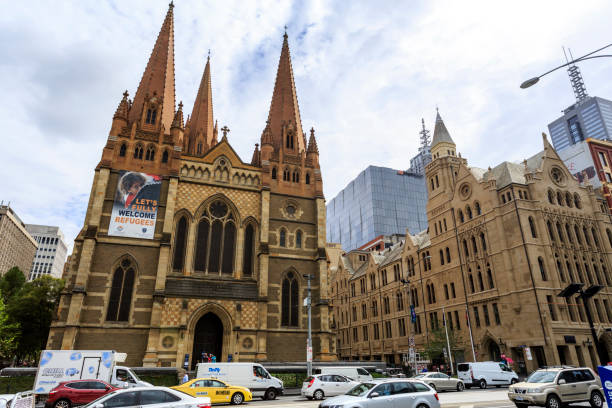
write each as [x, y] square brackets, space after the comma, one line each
[200, 132]
[442, 144]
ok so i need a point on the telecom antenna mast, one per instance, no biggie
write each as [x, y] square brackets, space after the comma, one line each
[576, 79]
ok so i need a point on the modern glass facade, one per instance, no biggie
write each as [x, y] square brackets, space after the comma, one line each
[591, 118]
[380, 201]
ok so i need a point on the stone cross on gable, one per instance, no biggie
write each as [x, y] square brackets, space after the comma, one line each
[225, 130]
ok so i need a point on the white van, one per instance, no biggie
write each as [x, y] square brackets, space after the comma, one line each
[482, 374]
[251, 375]
[57, 366]
[354, 373]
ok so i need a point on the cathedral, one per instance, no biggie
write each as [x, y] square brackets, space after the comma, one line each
[187, 249]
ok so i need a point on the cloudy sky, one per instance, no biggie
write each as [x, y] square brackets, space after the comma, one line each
[366, 73]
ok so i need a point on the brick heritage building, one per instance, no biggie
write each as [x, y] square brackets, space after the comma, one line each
[17, 247]
[501, 244]
[223, 272]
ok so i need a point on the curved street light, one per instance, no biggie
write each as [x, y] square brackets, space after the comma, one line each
[534, 80]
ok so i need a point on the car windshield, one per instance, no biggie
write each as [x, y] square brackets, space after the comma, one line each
[92, 403]
[541, 377]
[360, 390]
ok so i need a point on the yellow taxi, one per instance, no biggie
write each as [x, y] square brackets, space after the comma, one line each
[218, 391]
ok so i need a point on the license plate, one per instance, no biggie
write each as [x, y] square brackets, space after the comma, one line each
[519, 398]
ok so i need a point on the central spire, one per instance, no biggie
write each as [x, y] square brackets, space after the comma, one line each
[201, 122]
[284, 113]
[158, 78]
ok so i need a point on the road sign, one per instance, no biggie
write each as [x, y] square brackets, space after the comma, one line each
[411, 352]
[309, 354]
[605, 374]
[411, 341]
[528, 353]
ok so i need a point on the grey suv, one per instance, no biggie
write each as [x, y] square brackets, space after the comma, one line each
[388, 393]
[556, 387]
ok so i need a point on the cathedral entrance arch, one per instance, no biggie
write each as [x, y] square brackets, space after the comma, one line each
[207, 338]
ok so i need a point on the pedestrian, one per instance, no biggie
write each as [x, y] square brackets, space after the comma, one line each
[209, 357]
[214, 358]
[203, 357]
[185, 378]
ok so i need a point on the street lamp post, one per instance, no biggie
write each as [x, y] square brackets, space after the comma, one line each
[534, 80]
[585, 295]
[308, 278]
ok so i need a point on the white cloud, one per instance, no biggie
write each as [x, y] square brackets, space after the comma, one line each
[366, 72]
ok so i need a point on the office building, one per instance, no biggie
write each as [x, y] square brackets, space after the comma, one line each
[17, 247]
[51, 253]
[379, 201]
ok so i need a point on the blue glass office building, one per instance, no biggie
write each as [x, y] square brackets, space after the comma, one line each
[380, 201]
[589, 118]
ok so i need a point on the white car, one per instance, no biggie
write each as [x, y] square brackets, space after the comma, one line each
[5, 399]
[326, 385]
[151, 397]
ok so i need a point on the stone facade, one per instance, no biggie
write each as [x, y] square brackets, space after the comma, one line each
[17, 247]
[501, 244]
[184, 300]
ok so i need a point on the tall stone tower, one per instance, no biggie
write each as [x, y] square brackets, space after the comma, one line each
[186, 249]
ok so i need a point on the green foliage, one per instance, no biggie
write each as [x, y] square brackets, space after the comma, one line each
[168, 380]
[11, 282]
[291, 379]
[33, 307]
[12, 385]
[437, 342]
[8, 334]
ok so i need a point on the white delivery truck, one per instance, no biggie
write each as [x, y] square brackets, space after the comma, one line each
[250, 375]
[57, 366]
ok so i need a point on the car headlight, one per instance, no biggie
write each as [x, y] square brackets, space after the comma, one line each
[534, 390]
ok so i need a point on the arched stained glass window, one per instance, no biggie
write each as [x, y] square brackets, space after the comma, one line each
[216, 239]
[290, 301]
[121, 292]
[249, 249]
[178, 262]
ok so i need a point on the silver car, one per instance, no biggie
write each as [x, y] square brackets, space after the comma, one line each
[391, 393]
[151, 397]
[441, 382]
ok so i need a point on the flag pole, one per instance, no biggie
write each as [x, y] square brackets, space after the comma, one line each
[467, 315]
[450, 356]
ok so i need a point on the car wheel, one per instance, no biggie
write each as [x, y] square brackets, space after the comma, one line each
[553, 402]
[513, 381]
[63, 403]
[237, 398]
[596, 399]
[318, 395]
[433, 386]
[482, 384]
[270, 394]
[460, 386]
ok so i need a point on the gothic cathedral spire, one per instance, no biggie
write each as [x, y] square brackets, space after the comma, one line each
[200, 130]
[158, 78]
[284, 117]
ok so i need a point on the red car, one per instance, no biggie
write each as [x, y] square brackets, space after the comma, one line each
[79, 392]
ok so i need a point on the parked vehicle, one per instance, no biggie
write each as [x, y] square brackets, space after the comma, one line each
[441, 381]
[217, 390]
[79, 392]
[558, 386]
[395, 392]
[326, 385]
[250, 375]
[395, 373]
[483, 374]
[354, 373]
[5, 400]
[151, 397]
[57, 366]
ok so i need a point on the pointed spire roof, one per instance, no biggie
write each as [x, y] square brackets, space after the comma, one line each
[158, 77]
[256, 159]
[284, 108]
[178, 117]
[123, 108]
[440, 132]
[202, 113]
[312, 143]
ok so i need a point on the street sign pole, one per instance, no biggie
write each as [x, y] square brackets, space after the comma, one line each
[309, 344]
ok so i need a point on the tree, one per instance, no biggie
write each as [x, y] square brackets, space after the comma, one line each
[11, 282]
[33, 307]
[8, 334]
[437, 343]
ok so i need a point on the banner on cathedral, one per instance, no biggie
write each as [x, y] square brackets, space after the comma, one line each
[135, 207]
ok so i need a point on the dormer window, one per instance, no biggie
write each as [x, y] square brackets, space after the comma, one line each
[151, 116]
[289, 140]
[199, 148]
